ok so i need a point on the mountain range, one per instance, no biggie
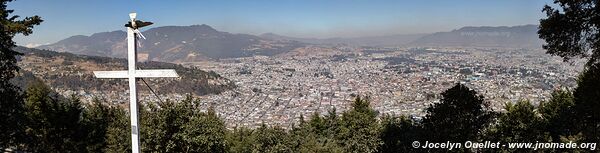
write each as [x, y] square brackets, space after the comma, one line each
[174, 44]
[387, 40]
[524, 36]
[202, 42]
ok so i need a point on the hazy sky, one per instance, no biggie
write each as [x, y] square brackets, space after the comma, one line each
[299, 18]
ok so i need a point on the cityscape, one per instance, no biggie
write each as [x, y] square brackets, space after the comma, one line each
[277, 90]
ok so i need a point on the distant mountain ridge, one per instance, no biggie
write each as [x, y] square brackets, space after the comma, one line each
[386, 40]
[524, 36]
[174, 44]
[201, 42]
[107, 44]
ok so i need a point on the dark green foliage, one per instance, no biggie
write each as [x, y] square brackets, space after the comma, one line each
[520, 123]
[97, 120]
[397, 134]
[240, 140]
[305, 139]
[587, 105]
[460, 116]
[572, 29]
[11, 115]
[319, 134]
[11, 106]
[118, 136]
[204, 133]
[170, 127]
[557, 114]
[270, 140]
[359, 128]
[356, 130]
[55, 124]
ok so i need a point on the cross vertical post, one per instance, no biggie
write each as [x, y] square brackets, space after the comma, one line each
[132, 74]
[133, 109]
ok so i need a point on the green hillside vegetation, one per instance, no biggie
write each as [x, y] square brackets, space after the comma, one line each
[74, 72]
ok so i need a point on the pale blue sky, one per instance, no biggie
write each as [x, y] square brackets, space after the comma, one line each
[299, 18]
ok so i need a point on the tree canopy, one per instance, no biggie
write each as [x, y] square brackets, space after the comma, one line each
[460, 116]
[11, 105]
[572, 29]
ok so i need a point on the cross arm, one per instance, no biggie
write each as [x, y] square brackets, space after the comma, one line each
[164, 73]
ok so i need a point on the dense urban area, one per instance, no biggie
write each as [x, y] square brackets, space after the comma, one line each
[277, 90]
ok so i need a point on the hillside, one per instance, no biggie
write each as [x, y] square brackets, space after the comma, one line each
[70, 73]
[175, 44]
[514, 37]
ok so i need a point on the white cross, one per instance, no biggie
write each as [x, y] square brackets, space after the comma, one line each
[132, 74]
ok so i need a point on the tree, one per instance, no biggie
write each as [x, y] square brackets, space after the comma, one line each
[11, 106]
[572, 30]
[459, 117]
[397, 134]
[520, 123]
[305, 139]
[270, 140]
[319, 134]
[97, 119]
[359, 131]
[586, 104]
[240, 140]
[205, 132]
[118, 136]
[160, 125]
[557, 114]
[169, 127]
[54, 123]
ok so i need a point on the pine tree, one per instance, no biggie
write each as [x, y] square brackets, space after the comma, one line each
[97, 120]
[270, 140]
[205, 132]
[557, 114]
[586, 104]
[54, 123]
[160, 125]
[11, 105]
[459, 117]
[240, 140]
[118, 136]
[359, 130]
[397, 134]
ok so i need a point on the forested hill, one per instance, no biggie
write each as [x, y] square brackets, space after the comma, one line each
[66, 72]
